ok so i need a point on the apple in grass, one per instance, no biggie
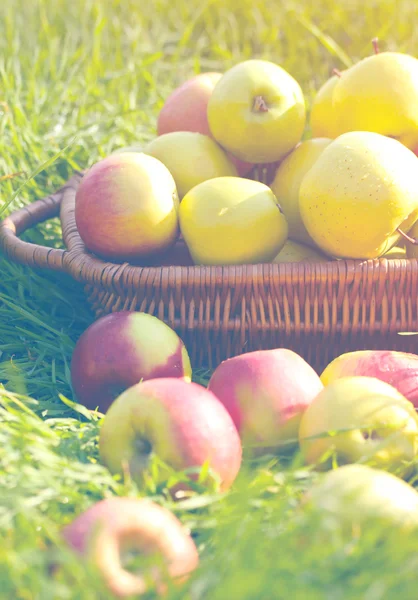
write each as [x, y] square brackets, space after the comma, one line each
[399, 369]
[266, 392]
[360, 418]
[111, 529]
[257, 111]
[121, 349]
[126, 207]
[185, 109]
[183, 424]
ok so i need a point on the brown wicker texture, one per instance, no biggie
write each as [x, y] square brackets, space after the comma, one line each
[320, 310]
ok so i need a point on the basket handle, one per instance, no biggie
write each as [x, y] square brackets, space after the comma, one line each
[25, 218]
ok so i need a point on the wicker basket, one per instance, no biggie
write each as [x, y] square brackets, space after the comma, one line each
[320, 310]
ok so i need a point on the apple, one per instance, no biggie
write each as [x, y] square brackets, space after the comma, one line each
[232, 220]
[266, 392]
[296, 252]
[287, 180]
[322, 119]
[120, 349]
[111, 528]
[399, 369]
[184, 424]
[126, 207]
[185, 109]
[257, 111]
[360, 418]
[191, 158]
[358, 496]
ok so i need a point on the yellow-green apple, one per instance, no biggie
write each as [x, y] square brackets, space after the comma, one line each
[359, 194]
[399, 369]
[191, 158]
[232, 220]
[126, 207]
[396, 252]
[120, 349]
[266, 392]
[379, 94]
[359, 497]
[111, 529]
[360, 418]
[257, 111]
[287, 182]
[182, 423]
[322, 117]
[296, 252]
[185, 109]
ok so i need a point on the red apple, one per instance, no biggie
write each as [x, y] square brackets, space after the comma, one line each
[184, 424]
[399, 369]
[266, 392]
[109, 528]
[126, 207]
[120, 349]
[186, 110]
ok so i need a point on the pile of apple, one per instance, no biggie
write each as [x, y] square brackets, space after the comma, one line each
[348, 191]
[359, 413]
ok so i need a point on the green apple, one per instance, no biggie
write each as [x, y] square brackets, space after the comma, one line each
[322, 118]
[360, 418]
[257, 111]
[359, 193]
[380, 94]
[232, 220]
[358, 496]
[296, 252]
[287, 182]
[191, 158]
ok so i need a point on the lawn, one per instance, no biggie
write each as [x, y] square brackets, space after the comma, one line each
[78, 80]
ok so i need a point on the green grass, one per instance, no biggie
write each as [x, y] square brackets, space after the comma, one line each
[78, 80]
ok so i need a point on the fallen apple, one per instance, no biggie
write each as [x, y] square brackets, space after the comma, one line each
[191, 158]
[184, 424]
[232, 220]
[266, 392]
[360, 418]
[399, 369]
[111, 528]
[118, 350]
[185, 109]
[257, 111]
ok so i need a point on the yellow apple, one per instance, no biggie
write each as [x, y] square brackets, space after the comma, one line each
[322, 118]
[191, 158]
[395, 252]
[296, 252]
[257, 111]
[361, 190]
[287, 182]
[232, 220]
[360, 418]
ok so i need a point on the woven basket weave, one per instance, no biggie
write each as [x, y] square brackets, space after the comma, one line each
[320, 310]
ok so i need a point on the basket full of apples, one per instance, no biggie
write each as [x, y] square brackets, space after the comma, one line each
[245, 225]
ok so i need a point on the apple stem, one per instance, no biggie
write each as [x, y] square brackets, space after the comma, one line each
[410, 239]
[337, 72]
[375, 42]
[259, 104]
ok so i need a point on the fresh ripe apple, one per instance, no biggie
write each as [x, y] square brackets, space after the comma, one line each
[380, 94]
[120, 349]
[266, 392]
[184, 424]
[296, 252]
[361, 190]
[186, 110]
[322, 118]
[287, 182]
[126, 207]
[191, 158]
[232, 220]
[257, 111]
[358, 496]
[111, 528]
[399, 369]
[360, 418]
[397, 251]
